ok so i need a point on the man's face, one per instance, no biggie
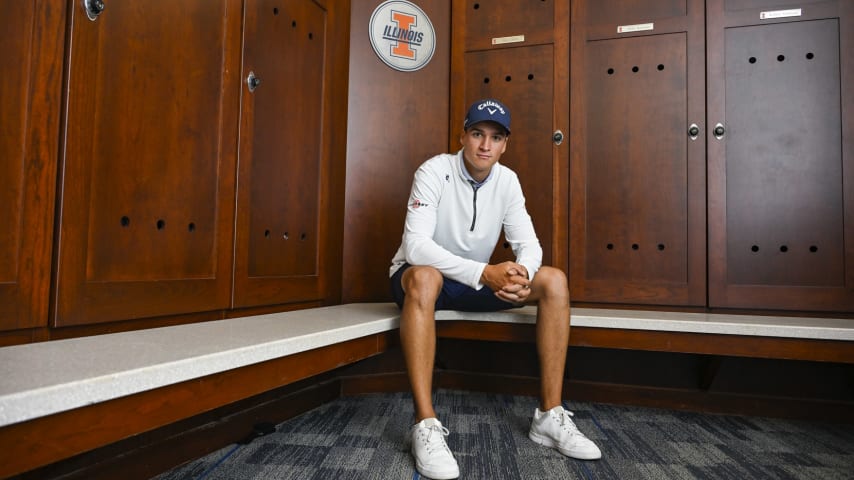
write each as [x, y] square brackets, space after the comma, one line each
[483, 143]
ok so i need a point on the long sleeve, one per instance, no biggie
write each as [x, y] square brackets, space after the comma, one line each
[519, 232]
[419, 246]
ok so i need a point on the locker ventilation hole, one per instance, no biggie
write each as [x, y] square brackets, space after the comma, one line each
[810, 56]
[266, 234]
[125, 221]
[635, 246]
[780, 58]
[191, 227]
[813, 248]
[610, 71]
[660, 67]
[660, 246]
[508, 78]
[286, 236]
[530, 76]
[476, 6]
[754, 248]
[506, 245]
[161, 224]
[752, 59]
[302, 236]
[294, 24]
[275, 11]
[635, 69]
[486, 80]
[784, 248]
[610, 246]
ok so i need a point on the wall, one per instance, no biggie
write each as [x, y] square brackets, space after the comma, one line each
[396, 120]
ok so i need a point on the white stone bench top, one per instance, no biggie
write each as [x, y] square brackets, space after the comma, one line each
[44, 378]
[751, 325]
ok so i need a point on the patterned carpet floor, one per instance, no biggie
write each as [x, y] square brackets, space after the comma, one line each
[366, 437]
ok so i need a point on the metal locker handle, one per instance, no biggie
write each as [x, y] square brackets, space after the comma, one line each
[557, 137]
[93, 8]
[693, 131]
[252, 81]
[719, 131]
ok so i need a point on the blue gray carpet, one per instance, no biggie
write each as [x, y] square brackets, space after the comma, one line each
[366, 437]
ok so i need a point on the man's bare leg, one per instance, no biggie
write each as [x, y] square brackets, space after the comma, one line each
[550, 292]
[552, 426]
[418, 334]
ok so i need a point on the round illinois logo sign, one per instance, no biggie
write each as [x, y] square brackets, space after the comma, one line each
[402, 35]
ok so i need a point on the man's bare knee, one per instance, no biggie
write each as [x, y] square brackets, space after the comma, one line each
[554, 283]
[422, 284]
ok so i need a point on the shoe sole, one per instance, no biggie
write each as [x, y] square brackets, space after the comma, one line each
[548, 442]
[436, 475]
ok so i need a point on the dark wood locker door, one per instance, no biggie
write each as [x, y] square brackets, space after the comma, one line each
[518, 52]
[290, 174]
[637, 175]
[147, 200]
[781, 172]
[32, 42]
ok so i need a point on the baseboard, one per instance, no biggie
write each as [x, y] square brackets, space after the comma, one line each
[146, 455]
[694, 400]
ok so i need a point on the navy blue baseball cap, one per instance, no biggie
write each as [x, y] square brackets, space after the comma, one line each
[488, 110]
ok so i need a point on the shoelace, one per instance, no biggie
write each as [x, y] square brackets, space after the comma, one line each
[567, 424]
[439, 442]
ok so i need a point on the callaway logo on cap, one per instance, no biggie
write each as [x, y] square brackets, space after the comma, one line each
[488, 110]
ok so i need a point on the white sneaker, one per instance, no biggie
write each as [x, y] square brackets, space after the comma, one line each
[555, 429]
[433, 458]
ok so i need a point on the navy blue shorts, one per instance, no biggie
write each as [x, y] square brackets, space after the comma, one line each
[454, 295]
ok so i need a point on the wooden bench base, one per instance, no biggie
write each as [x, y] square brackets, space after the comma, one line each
[679, 342]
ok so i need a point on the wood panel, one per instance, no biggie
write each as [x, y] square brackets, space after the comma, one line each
[637, 179]
[781, 190]
[147, 183]
[146, 455]
[291, 168]
[32, 43]
[519, 53]
[659, 341]
[685, 399]
[523, 79]
[484, 24]
[632, 12]
[396, 121]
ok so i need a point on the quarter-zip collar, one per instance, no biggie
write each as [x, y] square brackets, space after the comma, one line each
[475, 186]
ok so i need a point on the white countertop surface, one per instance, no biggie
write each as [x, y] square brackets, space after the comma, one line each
[753, 325]
[43, 378]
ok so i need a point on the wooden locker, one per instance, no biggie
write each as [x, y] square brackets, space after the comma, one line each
[147, 185]
[290, 173]
[523, 79]
[637, 172]
[518, 52]
[32, 43]
[781, 174]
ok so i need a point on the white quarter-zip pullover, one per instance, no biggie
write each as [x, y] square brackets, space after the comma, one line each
[453, 226]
